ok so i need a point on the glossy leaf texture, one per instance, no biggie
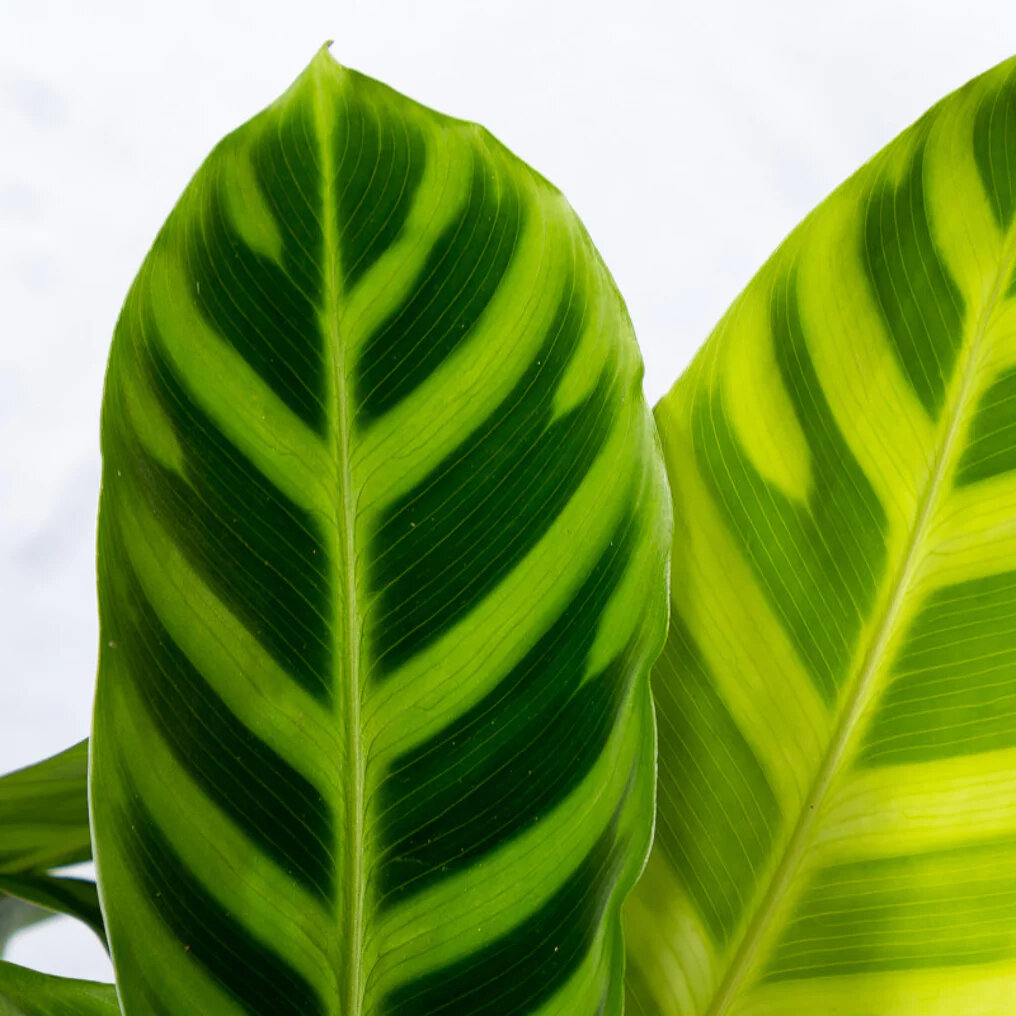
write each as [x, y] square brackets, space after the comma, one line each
[837, 698]
[28, 993]
[382, 573]
[44, 813]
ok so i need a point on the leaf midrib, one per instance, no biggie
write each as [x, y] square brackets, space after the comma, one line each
[856, 701]
[350, 935]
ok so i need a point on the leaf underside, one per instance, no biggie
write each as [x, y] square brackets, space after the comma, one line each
[837, 698]
[382, 566]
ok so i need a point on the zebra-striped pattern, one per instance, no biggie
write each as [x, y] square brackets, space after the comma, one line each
[837, 697]
[382, 571]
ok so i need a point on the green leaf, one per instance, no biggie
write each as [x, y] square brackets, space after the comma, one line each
[382, 555]
[26, 992]
[837, 699]
[44, 813]
[43, 824]
[75, 897]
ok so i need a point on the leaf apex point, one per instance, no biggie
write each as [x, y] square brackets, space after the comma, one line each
[324, 54]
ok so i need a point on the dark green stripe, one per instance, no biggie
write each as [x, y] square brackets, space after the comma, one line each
[379, 162]
[242, 963]
[991, 445]
[268, 311]
[452, 290]
[261, 553]
[716, 812]
[995, 148]
[819, 563]
[920, 304]
[953, 691]
[517, 973]
[270, 801]
[942, 909]
[522, 749]
[440, 549]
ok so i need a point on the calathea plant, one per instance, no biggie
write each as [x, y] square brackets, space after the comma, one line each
[383, 570]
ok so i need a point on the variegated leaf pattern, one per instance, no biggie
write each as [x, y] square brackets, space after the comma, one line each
[382, 568]
[837, 697]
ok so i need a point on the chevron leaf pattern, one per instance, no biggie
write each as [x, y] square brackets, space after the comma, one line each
[837, 696]
[382, 570]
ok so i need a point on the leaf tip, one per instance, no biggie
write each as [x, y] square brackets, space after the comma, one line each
[324, 59]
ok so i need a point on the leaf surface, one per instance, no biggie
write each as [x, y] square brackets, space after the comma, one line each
[382, 572]
[837, 698]
[26, 992]
[44, 813]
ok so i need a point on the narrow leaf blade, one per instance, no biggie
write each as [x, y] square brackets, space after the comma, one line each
[44, 813]
[73, 897]
[26, 992]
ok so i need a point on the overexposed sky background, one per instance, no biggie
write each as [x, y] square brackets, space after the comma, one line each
[689, 137]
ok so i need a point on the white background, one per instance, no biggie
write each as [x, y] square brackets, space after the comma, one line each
[690, 137]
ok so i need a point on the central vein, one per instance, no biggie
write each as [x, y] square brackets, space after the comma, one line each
[871, 657]
[351, 870]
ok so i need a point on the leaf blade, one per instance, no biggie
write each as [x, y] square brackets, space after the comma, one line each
[26, 992]
[366, 438]
[44, 813]
[834, 724]
[73, 897]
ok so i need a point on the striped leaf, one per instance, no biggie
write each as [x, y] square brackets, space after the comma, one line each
[28, 993]
[382, 572]
[44, 813]
[837, 697]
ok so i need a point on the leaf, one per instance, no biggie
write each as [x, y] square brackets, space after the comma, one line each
[382, 555]
[837, 698]
[75, 897]
[15, 915]
[25, 992]
[44, 813]
[43, 824]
